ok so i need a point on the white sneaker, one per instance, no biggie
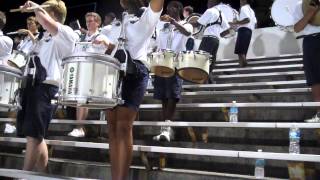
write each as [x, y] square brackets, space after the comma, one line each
[314, 119]
[78, 132]
[9, 129]
[166, 134]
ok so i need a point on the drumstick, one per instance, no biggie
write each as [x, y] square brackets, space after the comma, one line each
[30, 9]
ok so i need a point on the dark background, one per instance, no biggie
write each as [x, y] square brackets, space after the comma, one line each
[78, 8]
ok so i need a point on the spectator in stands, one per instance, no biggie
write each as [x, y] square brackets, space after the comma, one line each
[187, 11]
[246, 23]
[6, 43]
[311, 49]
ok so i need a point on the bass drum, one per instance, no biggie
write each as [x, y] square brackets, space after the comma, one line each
[282, 14]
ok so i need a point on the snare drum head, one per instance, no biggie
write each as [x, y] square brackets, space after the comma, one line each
[282, 12]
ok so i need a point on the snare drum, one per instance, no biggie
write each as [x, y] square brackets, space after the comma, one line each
[18, 59]
[162, 63]
[89, 47]
[10, 79]
[282, 12]
[194, 66]
[90, 80]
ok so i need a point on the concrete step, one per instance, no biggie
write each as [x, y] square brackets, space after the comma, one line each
[89, 169]
[220, 65]
[261, 58]
[182, 151]
[262, 69]
[238, 93]
[242, 86]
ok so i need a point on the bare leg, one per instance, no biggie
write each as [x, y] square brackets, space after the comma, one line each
[121, 141]
[36, 154]
[164, 109]
[82, 114]
[316, 93]
[170, 109]
[243, 60]
[42, 163]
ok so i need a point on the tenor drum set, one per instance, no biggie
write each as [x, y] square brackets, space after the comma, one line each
[192, 66]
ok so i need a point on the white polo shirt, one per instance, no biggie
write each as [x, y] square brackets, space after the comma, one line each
[298, 15]
[52, 49]
[112, 31]
[139, 32]
[6, 45]
[26, 45]
[174, 38]
[95, 48]
[247, 12]
[227, 10]
[210, 16]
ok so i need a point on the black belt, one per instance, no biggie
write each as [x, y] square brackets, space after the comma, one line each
[309, 35]
[211, 36]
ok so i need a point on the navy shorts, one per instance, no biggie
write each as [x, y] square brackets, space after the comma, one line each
[243, 40]
[311, 59]
[134, 87]
[167, 88]
[36, 113]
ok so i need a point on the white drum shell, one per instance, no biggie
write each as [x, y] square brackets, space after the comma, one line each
[90, 80]
[10, 79]
[192, 59]
[164, 59]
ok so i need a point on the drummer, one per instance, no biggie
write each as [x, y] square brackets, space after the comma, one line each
[173, 36]
[32, 32]
[25, 46]
[41, 86]
[311, 49]
[215, 26]
[6, 43]
[100, 44]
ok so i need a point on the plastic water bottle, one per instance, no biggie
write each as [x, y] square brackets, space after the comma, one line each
[294, 136]
[233, 113]
[259, 168]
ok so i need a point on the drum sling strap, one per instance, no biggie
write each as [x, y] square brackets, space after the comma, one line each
[218, 21]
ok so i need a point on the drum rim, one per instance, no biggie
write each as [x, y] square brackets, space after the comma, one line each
[192, 68]
[95, 61]
[196, 52]
[10, 70]
[105, 57]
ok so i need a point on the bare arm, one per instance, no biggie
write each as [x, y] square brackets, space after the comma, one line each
[244, 21]
[300, 25]
[46, 21]
[181, 29]
[156, 5]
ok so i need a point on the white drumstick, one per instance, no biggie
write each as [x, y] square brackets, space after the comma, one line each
[30, 9]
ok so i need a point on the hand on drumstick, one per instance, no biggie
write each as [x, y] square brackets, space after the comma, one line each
[23, 31]
[167, 18]
[29, 5]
